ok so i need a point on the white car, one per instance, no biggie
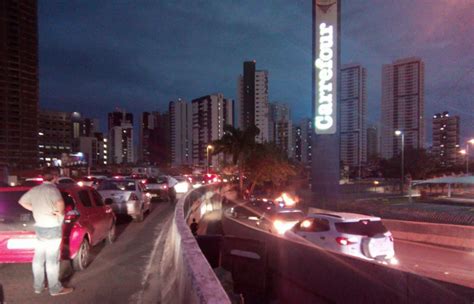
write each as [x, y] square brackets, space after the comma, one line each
[182, 184]
[279, 221]
[126, 196]
[353, 234]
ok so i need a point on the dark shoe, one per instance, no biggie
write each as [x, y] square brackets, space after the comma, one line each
[63, 291]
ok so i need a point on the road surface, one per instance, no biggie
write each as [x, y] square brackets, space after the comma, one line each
[444, 264]
[123, 272]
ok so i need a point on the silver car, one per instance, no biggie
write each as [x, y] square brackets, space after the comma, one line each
[126, 196]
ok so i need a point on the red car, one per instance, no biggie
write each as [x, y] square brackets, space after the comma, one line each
[87, 222]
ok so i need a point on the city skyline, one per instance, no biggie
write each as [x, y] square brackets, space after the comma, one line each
[131, 65]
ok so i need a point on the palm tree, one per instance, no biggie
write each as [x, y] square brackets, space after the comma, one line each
[239, 144]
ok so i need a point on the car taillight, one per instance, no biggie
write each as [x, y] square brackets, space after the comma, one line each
[71, 216]
[133, 197]
[165, 187]
[345, 241]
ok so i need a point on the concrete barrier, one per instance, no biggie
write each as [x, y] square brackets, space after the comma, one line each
[455, 236]
[302, 273]
[187, 276]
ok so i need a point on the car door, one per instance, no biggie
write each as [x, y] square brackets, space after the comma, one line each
[317, 233]
[105, 214]
[93, 215]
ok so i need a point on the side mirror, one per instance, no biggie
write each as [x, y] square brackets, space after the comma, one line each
[109, 201]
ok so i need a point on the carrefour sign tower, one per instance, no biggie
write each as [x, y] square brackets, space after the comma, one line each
[325, 146]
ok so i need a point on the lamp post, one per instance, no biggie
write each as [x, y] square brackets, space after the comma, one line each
[209, 147]
[466, 153]
[402, 178]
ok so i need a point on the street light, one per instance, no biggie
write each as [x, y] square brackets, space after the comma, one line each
[209, 147]
[402, 177]
[466, 153]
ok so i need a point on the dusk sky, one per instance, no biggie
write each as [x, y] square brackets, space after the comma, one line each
[139, 55]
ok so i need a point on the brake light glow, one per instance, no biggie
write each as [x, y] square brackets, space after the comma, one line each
[346, 241]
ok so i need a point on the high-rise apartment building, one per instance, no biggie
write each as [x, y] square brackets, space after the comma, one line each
[402, 105]
[446, 138]
[55, 136]
[210, 114]
[116, 118]
[372, 142]
[121, 137]
[252, 94]
[154, 144]
[353, 103]
[121, 144]
[281, 128]
[94, 149]
[181, 121]
[147, 126]
[19, 84]
[303, 136]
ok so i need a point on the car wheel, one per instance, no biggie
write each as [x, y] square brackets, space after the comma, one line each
[139, 218]
[81, 261]
[111, 236]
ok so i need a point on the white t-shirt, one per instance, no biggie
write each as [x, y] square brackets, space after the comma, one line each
[43, 199]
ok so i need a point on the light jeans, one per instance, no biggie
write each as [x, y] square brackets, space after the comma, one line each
[47, 256]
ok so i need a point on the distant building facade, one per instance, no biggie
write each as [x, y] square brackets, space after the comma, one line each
[154, 143]
[353, 103]
[303, 139]
[403, 98]
[446, 134]
[210, 114]
[19, 85]
[120, 136]
[55, 136]
[181, 120]
[252, 95]
[372, 142]
[281, 128]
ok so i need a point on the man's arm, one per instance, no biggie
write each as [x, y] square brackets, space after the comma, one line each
[59, 208]
[26, 205]
[25, 201]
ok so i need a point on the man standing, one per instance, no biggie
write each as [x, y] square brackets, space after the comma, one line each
[47, 205]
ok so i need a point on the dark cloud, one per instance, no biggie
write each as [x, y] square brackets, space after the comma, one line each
[95, 55]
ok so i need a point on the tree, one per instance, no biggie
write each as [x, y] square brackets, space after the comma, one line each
[268, 164]
[418, 164]
[239, 144]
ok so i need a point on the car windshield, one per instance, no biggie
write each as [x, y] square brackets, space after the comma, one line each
[117, 185]
[161, 180]
[362, 227]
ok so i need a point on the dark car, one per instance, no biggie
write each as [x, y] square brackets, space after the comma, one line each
[87, 222]
[161, 188]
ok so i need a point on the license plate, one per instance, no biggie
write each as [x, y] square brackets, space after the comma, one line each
[21, 243]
